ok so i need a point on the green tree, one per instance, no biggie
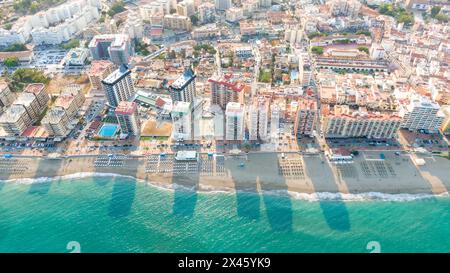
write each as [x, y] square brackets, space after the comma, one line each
[317, 50]
[435, 11]
[194, 19]
[117, 7]
[70, 44]
[14, 48]
[364, 49]
[11, 61]
[442, 17]
[141, 48]
[23, 76]
[363, 32]
[7, 26]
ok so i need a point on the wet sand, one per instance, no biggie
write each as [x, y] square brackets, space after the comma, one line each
[305, 174]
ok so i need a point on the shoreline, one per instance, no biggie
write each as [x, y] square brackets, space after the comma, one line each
[315, 179]
[312, 197]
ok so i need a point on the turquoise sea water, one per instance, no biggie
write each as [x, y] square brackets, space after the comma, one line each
[116, 214]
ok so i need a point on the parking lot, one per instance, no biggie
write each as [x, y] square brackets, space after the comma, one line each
[52, 56]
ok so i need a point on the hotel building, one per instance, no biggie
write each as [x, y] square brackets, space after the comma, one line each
[56, 122]
[6, 96]
[25, 110]
[15, 120]
[114, 47]
[342, 122]
[422, 114]
[183, 88]
[99, 70]
[258, 118]
[127, 115]
[305, 118]
[234, 121]
[182, 121]
[177, 22]
[223, 91]
[119, 86]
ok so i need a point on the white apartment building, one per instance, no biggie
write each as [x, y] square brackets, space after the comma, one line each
[15, 120]
[234, 14]
[422, 114]
[275, 115]
[56, 122]
[249, 7]
[9, 37]
[182, 121]
[206, 31]
[234, 121]
[258, 118]
[206, 13]
[133, 26]
[177, 22]
[43, 34]
[6, 96]
[186, 8]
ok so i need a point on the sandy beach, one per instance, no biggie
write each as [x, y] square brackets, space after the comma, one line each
[262, 171]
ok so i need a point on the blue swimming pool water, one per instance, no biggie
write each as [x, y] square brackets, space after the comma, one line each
[108, 130]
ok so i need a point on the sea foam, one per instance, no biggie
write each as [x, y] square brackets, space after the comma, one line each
[206, 189]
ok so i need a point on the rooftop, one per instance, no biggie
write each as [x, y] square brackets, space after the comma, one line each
[126, 108]
[13, 113]
[25, 99]
[184, 79]
[117, 75]
[181, 107]
[226, 80]
[99, 66]
[53, 116]
[34, 88]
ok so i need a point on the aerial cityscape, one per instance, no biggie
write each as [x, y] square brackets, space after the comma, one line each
[272, 106]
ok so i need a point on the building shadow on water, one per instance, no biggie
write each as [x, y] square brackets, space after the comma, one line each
[124, 189]
[334, 211]
[122, 197]
[256, 179]
[248, 199]
[45, 168]
[185, 194]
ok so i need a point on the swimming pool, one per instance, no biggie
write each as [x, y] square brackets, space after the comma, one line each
[108, 130]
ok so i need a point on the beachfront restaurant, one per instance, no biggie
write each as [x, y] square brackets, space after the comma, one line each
[186, 156]
[339, 156]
